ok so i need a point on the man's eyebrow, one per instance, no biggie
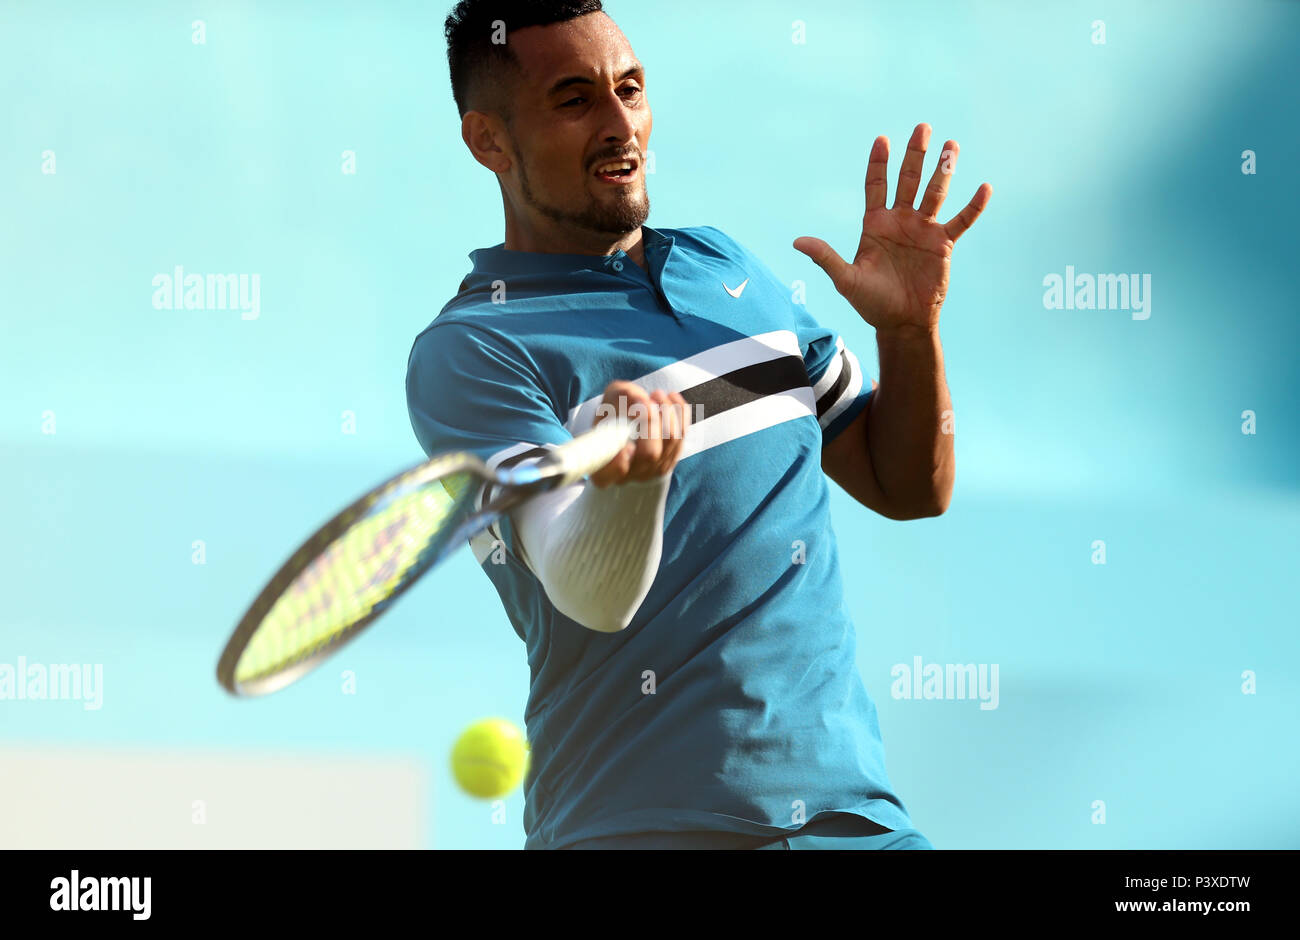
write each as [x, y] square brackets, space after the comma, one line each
[571, 80]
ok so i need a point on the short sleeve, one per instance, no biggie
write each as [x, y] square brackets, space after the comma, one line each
[840, 389]
[467, 390]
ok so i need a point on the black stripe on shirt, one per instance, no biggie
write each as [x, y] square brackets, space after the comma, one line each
[744, 385]
[833, 394]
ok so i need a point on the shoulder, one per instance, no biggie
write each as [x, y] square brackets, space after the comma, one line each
[475, 316]
[459, 337]
[451, 328]
[707, 239]
[714, 242]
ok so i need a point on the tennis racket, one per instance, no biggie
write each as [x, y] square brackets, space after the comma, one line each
[353, 568]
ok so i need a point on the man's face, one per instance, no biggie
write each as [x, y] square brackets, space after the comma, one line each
[580, 107]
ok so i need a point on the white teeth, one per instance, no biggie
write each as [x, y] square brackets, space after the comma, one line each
[614, 167]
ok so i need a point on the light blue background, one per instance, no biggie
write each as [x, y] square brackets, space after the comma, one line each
[1119, 683]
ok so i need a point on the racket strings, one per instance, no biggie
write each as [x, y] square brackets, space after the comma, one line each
[360, 569]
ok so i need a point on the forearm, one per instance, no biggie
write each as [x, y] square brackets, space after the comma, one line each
[596, 551]
[909, 435]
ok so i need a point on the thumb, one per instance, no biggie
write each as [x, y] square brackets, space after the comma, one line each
[824, 256]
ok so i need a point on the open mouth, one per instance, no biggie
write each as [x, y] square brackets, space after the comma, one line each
[617, 171]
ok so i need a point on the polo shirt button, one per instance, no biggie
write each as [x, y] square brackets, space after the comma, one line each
[618, 265]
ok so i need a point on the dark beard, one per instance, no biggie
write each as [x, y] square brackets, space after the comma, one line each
[625, 217]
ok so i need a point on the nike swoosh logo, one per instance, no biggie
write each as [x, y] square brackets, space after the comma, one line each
[738, 291]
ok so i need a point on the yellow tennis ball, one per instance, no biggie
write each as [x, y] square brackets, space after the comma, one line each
[490, 758]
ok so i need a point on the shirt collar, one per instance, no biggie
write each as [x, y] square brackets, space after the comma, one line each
[503, 262]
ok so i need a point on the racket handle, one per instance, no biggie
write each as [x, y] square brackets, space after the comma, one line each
[588, 452]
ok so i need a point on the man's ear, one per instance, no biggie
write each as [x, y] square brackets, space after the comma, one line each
[484, 135]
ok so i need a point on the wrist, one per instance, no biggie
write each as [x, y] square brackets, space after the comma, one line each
[909, 344]
[908, 333]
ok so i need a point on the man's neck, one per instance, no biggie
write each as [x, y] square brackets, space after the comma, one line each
[556, 242]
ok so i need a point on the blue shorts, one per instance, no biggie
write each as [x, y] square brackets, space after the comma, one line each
[840, 831]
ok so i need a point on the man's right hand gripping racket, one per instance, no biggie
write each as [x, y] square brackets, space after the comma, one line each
[350, 571]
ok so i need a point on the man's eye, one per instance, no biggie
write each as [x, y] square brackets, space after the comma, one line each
[572, 101]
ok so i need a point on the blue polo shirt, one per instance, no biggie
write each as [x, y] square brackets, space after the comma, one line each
[732, 702]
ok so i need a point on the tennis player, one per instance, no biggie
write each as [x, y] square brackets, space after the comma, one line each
[693, 674]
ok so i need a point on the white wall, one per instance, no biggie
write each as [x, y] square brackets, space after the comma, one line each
[118, 799]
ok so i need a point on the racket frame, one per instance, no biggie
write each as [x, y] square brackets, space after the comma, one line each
[564, 464]
[512, 486]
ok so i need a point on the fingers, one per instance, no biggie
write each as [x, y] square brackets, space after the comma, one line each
[909, 177]
[648, 445]
[878, 174]
[937, 191]
[964, 219]
[616, 394]
[825, 256]
[660, 419]
[674, 419]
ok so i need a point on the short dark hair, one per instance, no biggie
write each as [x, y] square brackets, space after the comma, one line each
[475, 61]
